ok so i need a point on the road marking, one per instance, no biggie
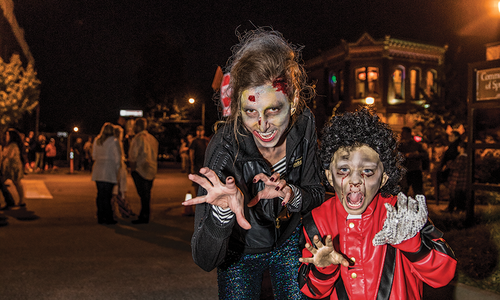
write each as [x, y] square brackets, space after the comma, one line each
[36, 189]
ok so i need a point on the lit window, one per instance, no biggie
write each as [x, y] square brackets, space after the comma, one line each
[366, 81]
[431, 84]
[414, 84]
[398, 82]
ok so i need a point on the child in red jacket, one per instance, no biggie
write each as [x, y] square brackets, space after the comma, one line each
[366, 243]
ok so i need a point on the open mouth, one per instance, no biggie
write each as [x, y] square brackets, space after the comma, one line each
[354, 200]
[265, 137]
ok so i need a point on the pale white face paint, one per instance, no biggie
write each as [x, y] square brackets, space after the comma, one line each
[265, 112]
[356, 175]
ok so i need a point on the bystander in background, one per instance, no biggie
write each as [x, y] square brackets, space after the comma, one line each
[50, 154]
[7, 196]
[457, 180]
[119, 200]
[12, 162]
[197, 150]
[107, 159]
[39, 153]
[143, 160]
[414, 154]
[78, 151]
[25, 151]
[87, 152]
[184, 152]
[31, 150]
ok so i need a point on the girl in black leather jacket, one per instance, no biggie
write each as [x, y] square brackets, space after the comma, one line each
[261, 173]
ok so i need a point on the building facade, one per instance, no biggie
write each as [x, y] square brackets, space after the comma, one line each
[390, 75]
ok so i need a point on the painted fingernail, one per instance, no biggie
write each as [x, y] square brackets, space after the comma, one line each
[255, 180]
[272, 179]
[283, 203]
[277, 188]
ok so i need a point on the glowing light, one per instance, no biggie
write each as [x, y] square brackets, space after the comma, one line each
[499, 6]
[427, 105]
[75, 129]
[369, 100]
[372, 75]
[417, 138]
[191, 100]
[334, 79]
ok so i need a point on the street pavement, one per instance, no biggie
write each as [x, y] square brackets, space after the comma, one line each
[54, 249]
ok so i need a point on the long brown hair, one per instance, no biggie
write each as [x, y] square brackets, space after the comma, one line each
[265, 57]
[107, 130]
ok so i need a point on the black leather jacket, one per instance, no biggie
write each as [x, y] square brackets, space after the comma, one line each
[271, 226]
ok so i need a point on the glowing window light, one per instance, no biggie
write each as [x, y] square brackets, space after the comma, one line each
[333, 79]
[369, 100]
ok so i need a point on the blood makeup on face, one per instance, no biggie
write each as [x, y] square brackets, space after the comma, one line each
[280, 85]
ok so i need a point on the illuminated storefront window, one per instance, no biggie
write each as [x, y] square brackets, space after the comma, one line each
[431, 84]
[366, 81]
[414, 84]
[398, 82]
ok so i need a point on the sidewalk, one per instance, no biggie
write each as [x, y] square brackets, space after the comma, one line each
[54, 248]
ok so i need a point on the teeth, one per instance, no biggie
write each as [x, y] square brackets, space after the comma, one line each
[266, 135]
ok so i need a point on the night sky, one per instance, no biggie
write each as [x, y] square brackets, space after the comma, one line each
[86, 51]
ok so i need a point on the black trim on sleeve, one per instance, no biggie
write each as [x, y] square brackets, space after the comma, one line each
[311, 229]
[431, 239]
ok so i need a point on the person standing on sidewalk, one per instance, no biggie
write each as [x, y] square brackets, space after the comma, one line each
[457, 180]
[120, 190]
[414, 154]
[39, 153]
[50, 154]
[143, 160]
[197, 150]
[12, 162]
[107, 156]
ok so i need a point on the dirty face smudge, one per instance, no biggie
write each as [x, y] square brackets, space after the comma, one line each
[356, 174]
[267, 117]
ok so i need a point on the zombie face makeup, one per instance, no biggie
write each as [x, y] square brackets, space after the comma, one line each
[265, 111]
[356, 175]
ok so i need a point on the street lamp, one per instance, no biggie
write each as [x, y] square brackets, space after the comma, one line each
[68, 149]
[192, 101]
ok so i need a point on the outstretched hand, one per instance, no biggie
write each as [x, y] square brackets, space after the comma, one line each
[324, 255]
[274, 187]
[220, 194]
[404, 222]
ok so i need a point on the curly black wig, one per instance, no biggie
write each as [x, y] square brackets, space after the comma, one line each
[354, 129]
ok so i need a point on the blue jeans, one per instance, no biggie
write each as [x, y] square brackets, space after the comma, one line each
[103, 201]
[143, 187]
